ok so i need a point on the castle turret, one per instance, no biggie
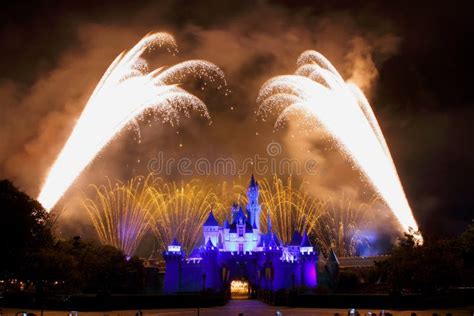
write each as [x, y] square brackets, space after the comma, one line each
[305, 245]
[274, 277]
[173, 259]
[175, 246]
[269, 223]
[211, 276]
[226, 231]
[253, 205]
[308, 258]
[234, 210]
[210, 229]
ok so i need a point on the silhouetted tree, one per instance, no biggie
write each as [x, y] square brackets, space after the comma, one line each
[31, 254]
[25, 228]
[100, 268]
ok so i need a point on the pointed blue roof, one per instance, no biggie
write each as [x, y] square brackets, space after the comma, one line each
[295, 239]
[240, 214]
[175, 242]
[305, 242]
[272, 244]
[209, 244]
[269, 223]
[253, 183]
[211, 220]
[265, 239]
[226, 224]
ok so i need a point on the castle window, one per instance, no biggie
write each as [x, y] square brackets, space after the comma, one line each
[241, 247]
[241, 231]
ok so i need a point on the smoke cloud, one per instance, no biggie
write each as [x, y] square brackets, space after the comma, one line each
[250, 46]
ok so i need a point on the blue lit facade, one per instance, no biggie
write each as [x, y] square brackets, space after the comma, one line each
[239, 250]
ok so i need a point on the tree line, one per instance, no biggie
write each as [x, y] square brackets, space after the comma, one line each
[34, 260]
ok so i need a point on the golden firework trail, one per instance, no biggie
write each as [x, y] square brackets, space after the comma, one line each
[341, 225]
[180, 210]
[126, 91]
[122, 213]
[316, 90]
[290, 208]
[119, 213]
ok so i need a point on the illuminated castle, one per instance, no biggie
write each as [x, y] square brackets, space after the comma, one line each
[238, 250]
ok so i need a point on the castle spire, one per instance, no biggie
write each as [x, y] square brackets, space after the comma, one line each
[253, 205]
[269, 223]
[305, 242]
[253, 183]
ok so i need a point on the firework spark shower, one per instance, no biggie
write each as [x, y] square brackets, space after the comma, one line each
[126, 91]
[317, 90]
[122, 213]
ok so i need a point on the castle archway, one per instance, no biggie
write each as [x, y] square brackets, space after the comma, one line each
[239, 289]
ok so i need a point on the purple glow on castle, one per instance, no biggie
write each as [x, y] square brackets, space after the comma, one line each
[238, 250]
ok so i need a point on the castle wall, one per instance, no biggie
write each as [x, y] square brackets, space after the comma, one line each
[191, 277]
[248, 241]
[309, 273]
[211, 269]
[173, 271]
[291, 275]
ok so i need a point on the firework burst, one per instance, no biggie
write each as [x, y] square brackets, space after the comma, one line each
[289, 207]
[124, 212]
[126, 91]
[180, 210]
[318, 91]
[341, 225]
[120, 212]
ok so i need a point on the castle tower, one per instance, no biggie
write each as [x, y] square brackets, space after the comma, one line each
[269, 223]
[308, 258]
[234, 210]
[274, 277]
[210, 229]
[173, 259]
[253, 206]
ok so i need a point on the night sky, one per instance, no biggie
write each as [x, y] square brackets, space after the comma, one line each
[414, 58]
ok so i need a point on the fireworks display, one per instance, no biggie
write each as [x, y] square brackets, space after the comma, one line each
[125, 92]
[316, 90]
[122, 213]
[180, 210]
[290, 208]
[341, 225]
[119, 213]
